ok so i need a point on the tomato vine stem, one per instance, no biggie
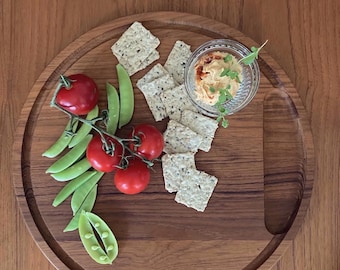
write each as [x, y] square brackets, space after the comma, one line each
[108, 147]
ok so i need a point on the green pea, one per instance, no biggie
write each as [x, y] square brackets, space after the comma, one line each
[70, 157]
[68, 189]
[73, 171]
[81, 193]
[84, 129]
[87, 205]
[62, 142]
[126, 96]
[91, 244]
[113, 108]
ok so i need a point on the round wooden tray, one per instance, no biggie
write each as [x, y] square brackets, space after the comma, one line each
[264, 161]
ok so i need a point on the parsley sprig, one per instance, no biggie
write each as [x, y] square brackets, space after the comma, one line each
[224, 96]
[250, 58]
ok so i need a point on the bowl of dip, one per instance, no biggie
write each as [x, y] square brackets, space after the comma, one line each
[214, 67]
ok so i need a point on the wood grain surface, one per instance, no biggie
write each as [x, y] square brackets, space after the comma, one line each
[304, 40]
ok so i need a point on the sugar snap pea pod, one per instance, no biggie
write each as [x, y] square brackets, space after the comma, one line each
[87, 222]
[126, 96]
[87, 205]
[62, 142]
[71, 186]
[113, 108]
[80, 194]
[70, 157]
[84, 129]
[73, 171]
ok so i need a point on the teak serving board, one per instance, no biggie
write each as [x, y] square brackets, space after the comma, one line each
[264, 162]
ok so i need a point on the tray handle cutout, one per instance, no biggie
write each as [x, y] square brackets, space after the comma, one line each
[284, 161]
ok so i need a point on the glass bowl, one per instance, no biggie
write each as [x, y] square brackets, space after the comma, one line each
[250, 75]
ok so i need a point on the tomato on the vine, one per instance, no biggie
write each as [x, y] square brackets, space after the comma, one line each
[98, 156]
[79, 95]
[134, 179]
[149, 141]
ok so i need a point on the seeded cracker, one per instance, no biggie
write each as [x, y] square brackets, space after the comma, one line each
[196, 190]
[177, 59]
[180, 139]
[175, 101]
[175, 168]
[203, 125]
[136, 48]
[155, 72]
[153, 56]
[152, 91]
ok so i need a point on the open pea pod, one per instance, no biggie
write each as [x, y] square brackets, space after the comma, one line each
[84, 129]
[88, 222]
[62, 142]
[70, 157]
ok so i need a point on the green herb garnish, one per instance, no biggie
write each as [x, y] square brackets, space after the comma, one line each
[224, 93]
[250, 58]
[230, 73]
[224, 96]
[227, 58]
[212, 89]
[221, 119]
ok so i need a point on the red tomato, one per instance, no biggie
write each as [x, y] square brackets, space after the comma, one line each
[151, 141]
[99, 159]
[81, 97]
[134, 179]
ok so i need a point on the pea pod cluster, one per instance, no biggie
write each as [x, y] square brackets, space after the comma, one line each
[71, 186]
[70, 157]
[72, 166]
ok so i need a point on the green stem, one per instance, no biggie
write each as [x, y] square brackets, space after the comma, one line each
[66, 82]
[108, 148]
[100, 131]
[148, 162]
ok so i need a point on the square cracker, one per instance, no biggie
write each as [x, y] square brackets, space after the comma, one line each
[203, 125]
[136, 48]
[133, 66]
[196, 189]
[175, 168]
[176, 61]
[155, 72]
[175, 101]
[153, 56]
[180, 139]
[152, 91]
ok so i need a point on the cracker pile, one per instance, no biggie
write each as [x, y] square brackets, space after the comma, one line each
[187, 131]
[194, 188]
